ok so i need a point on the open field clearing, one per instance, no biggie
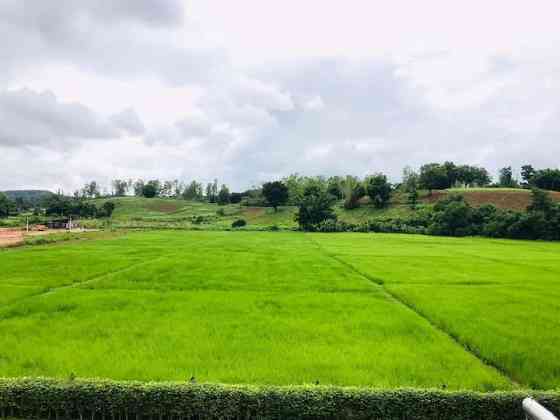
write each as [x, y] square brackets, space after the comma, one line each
[285, 308]
[499, 298]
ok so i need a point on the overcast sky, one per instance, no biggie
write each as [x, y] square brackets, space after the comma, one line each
[249, 90]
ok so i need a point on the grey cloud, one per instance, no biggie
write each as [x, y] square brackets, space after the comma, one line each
[28, 118]
[124, 39]
[50, 19]
[129, 122]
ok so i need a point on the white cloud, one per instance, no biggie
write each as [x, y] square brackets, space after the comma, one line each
[202, 88]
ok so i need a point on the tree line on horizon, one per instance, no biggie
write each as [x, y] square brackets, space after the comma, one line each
[430, 177]
[315, 196]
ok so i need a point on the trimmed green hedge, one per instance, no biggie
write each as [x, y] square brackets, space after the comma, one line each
[85, 399]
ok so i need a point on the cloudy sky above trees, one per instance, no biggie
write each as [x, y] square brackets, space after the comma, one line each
[247, 91]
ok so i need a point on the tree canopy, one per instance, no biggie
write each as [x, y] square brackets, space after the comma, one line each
[275, 193]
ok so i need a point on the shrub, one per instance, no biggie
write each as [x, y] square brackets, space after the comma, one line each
[149, 190]
[379, 190]
[44, 398]
[197, 220]
[238, 223]
[314, 208]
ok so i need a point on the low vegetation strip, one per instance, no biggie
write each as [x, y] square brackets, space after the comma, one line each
[81, 399]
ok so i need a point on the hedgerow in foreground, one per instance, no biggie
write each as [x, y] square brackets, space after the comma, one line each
[89, 399]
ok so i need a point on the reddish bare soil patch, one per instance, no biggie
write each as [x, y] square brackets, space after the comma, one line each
[507, 200]
[251, 212]
[10, 237]
[435, 197]
[164, 207]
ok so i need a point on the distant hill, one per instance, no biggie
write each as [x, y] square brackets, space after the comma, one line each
[31, 196]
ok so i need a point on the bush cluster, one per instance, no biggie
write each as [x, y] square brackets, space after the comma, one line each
[78, 399]
[238, 223]
[453, 216]
[58, 205]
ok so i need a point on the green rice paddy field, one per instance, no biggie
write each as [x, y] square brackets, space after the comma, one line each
[285, 308]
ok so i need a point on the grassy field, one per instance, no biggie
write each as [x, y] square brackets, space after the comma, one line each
[285, 308]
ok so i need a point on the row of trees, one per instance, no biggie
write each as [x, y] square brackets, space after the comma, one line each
[431, 176]
[452, 216]
[60, 205]
[7, 206]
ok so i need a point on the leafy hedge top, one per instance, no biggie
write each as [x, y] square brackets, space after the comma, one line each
[48, 398]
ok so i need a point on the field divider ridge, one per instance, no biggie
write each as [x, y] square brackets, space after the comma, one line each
[396, 298]
[93, 279]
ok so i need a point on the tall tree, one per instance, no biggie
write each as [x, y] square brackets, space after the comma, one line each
[353, 190]
[120, 187]
[149, 190]
[139, 187]
[433, 176]
[314, 208]
[193, 191]
[275, 193]
[223, 195]
[547, 179]
[91, 190]
[410, 179]
[210, 197]
[6, 205]
[334, 187]
[506, 177]
[527, 173]
[540, 201]
[378, 189]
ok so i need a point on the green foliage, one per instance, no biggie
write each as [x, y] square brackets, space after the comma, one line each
[212, 191]
[107, 209]
[6, 205]
[193, 192]
[150, 190]
[223, 195]
[506, 179]
[276, 193]
[452, 217]
[412, 198]
[434, 176]
[527, 174]
[314, 208]
[353, 191]
[238, 223]
[45, 398]
[31, 198]
[120, 187]
[379, 190]
[540, 201]
[546, 179]
[334, 187]
[410, 180]
[235, 197]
